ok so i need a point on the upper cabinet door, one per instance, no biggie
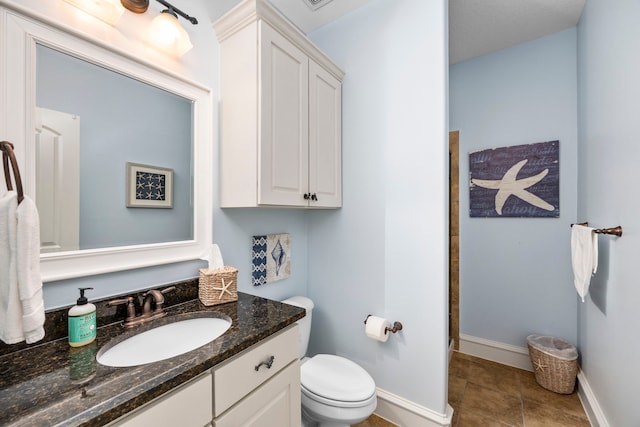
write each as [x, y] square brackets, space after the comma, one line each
[325, 138]
[284, 112]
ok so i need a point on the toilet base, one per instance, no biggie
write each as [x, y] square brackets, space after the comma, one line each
[307, 422]
[315, 414]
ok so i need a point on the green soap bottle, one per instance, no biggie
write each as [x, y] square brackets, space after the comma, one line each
[82, 321]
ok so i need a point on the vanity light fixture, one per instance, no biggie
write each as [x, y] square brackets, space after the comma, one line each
[108, 11]
[165, 31]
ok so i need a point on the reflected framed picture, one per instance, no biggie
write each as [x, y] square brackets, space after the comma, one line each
[149, 186]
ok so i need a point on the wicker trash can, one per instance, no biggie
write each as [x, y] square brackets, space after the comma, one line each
[555, 363]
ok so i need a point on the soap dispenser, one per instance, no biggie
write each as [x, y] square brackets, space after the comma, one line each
[82, 321]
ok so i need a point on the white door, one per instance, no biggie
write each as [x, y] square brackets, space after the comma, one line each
[284, 129]
[58, 180]
[325, 138]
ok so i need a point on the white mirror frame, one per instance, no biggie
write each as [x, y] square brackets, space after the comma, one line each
[18, 38]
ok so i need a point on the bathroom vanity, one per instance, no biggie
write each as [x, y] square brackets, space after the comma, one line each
[250, 374]
[266, 396]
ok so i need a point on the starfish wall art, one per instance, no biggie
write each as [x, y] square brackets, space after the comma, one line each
[518, 181]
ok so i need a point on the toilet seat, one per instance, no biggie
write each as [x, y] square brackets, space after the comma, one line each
[336, 381]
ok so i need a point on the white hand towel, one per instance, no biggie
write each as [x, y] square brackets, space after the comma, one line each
[28, 266]
[584, 257]
[21, 301]
[10, 307]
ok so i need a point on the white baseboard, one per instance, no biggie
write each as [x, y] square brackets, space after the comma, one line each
[590, 403]
[506, 354]
[405, 413]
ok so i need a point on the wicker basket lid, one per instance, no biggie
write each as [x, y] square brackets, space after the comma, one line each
[553, 346]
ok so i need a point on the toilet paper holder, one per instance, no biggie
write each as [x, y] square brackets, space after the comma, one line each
[397, 326]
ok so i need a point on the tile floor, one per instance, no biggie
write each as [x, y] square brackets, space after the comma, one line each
[484, 393]
[375, 421]
[488, 394]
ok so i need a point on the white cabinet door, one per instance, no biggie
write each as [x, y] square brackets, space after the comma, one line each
[238, 377]
[283, 121]
[325, 138]
[274, 403]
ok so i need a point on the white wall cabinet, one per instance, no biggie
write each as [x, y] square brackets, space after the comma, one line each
[281, 129]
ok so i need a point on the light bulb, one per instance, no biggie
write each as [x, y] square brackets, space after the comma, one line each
[108, 11]
[167, 33]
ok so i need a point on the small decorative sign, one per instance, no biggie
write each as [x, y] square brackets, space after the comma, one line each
[518, 181]
[149, 186]
[271, 258]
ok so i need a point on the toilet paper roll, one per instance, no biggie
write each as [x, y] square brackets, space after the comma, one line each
[375, 328]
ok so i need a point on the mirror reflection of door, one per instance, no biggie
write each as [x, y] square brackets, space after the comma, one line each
[57, 179]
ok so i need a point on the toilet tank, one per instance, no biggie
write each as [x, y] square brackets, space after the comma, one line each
[304, 324]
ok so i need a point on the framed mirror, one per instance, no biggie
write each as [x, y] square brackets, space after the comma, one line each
[115, 152]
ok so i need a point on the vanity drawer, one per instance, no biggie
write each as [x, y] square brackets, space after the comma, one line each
[237, 377]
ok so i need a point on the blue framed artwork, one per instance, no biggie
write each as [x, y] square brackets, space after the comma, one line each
[149, 186]
[519, 181]
[271, 258]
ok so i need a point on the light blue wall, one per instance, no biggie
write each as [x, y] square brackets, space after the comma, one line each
[385, 251]
[515, 273]
[609, 129]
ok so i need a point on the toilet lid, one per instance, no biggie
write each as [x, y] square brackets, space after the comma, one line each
[336, 378]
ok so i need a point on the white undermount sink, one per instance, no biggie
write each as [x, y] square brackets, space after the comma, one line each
[164, 342]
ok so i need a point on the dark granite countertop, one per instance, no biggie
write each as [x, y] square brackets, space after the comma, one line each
[53, 384]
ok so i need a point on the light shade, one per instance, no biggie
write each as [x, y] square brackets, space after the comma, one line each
[167, 33]
[108, 11]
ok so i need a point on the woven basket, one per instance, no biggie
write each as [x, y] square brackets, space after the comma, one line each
[552, 372]
[218, 286]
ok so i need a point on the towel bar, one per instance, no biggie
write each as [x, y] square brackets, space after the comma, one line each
[615, 231]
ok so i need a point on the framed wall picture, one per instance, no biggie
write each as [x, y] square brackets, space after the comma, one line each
[149, 186]
[271, 258]
[518, 181]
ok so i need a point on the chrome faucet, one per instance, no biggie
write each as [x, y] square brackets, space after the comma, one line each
[151, 303]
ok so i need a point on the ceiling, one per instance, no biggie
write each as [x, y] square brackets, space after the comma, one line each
[299, 12]
[476, 27]
[307, 20]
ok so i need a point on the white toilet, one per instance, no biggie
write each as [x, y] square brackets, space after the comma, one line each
[336, 392]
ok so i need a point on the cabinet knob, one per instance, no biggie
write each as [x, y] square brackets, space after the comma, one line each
[306, 196]
[314, 197]
[268, 363]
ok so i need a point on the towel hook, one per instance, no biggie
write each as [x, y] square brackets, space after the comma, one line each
[7, 154]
